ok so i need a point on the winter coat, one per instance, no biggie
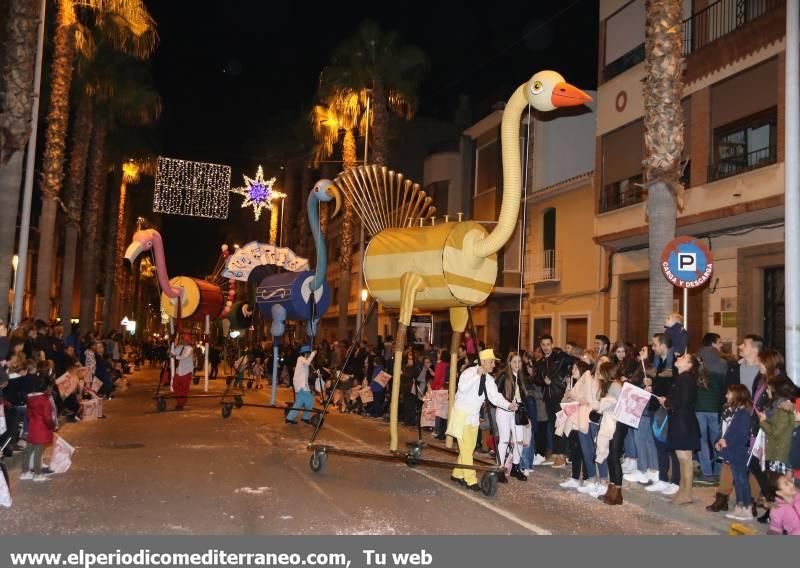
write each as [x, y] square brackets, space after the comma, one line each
[557, 368]
[586, 392]
[440, 375]
[41, 419]
[505, 385]
[794, 452]
[778, 430]
[607, 427]
[683, 429]
[679, 338]
[737, 438]
[784, 518]
[710, 399]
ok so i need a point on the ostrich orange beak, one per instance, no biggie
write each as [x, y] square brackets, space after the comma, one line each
[565, 95]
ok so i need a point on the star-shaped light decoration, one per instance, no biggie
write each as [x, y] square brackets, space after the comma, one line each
[258, 192]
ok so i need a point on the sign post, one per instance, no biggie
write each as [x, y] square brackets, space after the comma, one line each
[687, 263]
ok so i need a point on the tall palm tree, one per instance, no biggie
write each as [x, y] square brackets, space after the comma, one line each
[376, 62]
[127, 26]
[663, 121]
[341, 114]
[124, 95]
[15, 125]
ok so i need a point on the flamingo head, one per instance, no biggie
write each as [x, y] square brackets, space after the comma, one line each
[325, 190]
[142, 241]
[548, 91]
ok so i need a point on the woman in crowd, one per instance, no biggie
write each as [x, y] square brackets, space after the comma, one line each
[684, 432]
[611, 436]
[588, 396]
[578, 390]
[511, 384]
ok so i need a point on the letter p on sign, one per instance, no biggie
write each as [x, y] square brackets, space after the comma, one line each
[687, 261]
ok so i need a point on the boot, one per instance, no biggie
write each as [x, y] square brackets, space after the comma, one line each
[684, 494]
[559, 461]
[516, 472]
[720, 503]
[608, 493]
[501, 477]
[614, 495]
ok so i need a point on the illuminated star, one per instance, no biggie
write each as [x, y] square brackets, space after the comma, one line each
[258, 192]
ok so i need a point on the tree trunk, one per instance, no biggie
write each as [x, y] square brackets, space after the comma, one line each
[53, 159]
[349, 159]
[15, 125]
[10, 179]
[120, 272]
[45, 258]
[109, 266]
[378, 142]
[94, 204]
[81, 133]
[663, 121]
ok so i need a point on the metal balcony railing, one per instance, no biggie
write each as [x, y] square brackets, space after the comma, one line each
[721, 18]
[543, 268]
[727, 167]
[621, 194]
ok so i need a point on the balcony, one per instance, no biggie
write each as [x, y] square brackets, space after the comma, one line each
[621, 194]
[734, 165]
[721, 18]
[543, 268]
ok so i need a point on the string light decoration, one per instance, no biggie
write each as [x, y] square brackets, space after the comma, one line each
[197, 189]
[258, 193]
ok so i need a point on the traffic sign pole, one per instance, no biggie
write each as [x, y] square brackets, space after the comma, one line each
[686, 309]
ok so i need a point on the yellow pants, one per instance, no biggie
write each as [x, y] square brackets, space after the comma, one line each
[466, 447]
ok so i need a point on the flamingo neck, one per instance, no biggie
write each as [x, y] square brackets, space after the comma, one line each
[319, 244]
[161, 267]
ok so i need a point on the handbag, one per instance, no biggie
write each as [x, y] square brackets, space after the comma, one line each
[659, 424]
[595, 417]
[521, 416]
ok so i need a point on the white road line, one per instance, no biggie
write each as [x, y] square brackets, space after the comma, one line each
[482, 502]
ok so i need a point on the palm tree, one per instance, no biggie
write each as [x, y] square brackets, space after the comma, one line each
[376, 63]
[342, 112]
[127, 26]
[15, 124]
[124, 95]
[663, 121]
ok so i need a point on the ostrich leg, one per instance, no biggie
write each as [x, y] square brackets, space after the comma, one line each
[278, 328]
[410, 284]
[458, 323]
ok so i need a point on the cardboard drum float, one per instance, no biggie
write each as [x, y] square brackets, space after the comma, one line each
[198, 299]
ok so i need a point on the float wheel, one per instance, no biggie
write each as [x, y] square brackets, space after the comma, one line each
[317, 461]
[161, 404]
[226, 410]
[489, 484]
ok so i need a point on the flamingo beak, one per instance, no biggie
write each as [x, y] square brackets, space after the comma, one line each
[133, 251]
[565, 95]
[334, 192]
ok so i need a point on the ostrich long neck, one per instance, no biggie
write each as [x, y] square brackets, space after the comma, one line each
[319, 244]
[161, 267]
[512, 184]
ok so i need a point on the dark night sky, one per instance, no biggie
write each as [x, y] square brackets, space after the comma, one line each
[235, 77]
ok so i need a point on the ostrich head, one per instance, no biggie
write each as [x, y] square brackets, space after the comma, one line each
[325, 190]
[548, 91]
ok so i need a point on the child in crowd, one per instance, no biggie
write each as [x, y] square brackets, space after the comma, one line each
[733, 446]
[794, 451]
[785, 514]
[41, 425]
[257, 373]
[679, 337]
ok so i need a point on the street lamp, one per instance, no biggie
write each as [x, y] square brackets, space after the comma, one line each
[364, 294]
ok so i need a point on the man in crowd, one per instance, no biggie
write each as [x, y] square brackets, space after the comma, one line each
[746, 370]
[602, 345]
[475, 385]
[552, 371]
[303, 399]
[184, 370]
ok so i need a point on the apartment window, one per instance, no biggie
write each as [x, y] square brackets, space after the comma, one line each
[486, 167]
[623, 150]
[745, 145]
[624, 39]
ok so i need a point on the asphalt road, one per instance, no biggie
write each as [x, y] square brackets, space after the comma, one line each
[192, 472]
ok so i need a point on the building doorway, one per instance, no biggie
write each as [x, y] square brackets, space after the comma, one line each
[576, 330]
[775, 308]
[509, 331]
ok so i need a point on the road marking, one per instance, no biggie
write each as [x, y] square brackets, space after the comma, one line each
[497, 510]
[261, 436]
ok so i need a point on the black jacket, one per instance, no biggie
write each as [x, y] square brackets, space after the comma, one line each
[505, 385]
[684, 431]
[557, 368]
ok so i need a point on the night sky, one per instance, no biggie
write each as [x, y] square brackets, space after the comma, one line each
[236, 78]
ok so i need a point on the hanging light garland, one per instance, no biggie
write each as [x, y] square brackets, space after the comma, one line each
[259, 194]
[197, 189]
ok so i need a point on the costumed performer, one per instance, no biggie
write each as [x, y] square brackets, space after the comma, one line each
[184, 355]
[302, 393]
[474, 386]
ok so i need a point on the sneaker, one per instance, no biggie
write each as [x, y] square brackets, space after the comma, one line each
[547, 461]
[21, 444]
[570, 483]
[652, 475]
[658, 486]
[588, 487]
[629, 465]
[539, 459]
[740, 513]
[637, 477]
[670, 489]
[527, 472]
[40, 477]
[599, 490]
[26, 475]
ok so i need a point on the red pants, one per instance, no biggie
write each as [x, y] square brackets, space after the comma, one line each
[180, 385]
